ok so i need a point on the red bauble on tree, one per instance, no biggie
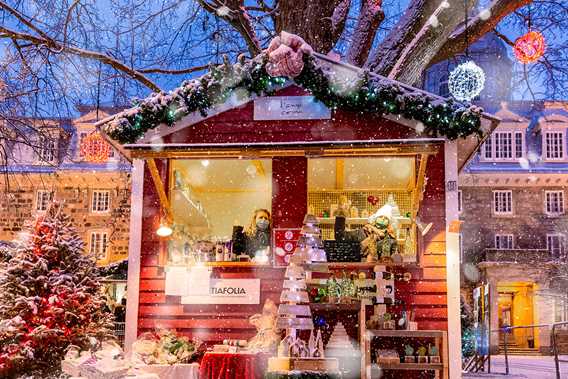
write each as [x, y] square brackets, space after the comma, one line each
[530, 47]
[94, 148]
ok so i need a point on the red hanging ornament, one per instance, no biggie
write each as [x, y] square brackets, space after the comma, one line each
[530, 47]
[94, 148]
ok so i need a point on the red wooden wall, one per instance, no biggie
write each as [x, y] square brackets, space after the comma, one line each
[426, 291]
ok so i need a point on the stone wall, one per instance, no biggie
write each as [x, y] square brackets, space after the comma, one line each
[18, 208]
[529, 224]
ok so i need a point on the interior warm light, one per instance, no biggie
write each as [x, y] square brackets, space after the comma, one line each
[205, 162]
[164, 230]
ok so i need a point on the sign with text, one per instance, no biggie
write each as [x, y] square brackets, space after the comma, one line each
[290, 108]
[228, 291]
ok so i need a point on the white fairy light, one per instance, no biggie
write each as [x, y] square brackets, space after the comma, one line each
[466, 81]
[485, 14]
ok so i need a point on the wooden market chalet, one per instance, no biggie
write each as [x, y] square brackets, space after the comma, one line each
[313, 130]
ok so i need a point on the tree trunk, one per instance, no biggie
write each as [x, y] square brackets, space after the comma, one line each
[410, 47]
[312, 20]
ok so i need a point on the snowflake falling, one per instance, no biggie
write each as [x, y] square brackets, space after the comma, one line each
[223, 11]
[466, 81]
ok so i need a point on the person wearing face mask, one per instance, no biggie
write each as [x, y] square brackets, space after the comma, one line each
[256, 237]
[377, 238]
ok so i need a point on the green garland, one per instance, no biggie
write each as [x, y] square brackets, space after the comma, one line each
[364, 94]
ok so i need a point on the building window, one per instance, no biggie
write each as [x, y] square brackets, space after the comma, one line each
[460, 205]
[504, 241]
[506, 145]
[488, 149]
[43, 198]
[555, 245]
[554, 202]
[443, 89]
[518, 144]
[560, 309]
[553, 145]
[47, 150]
[503, 202]
[82, 136]
[99, 245]
[100, 201]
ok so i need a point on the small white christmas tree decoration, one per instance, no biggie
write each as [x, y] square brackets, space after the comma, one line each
[294, 313]
[309, 246]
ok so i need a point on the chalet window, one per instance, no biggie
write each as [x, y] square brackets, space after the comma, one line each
[98, 245]
[43, 198]
[506, 145]
[100, 201]
[460, 206]
[503, 202]
[553, 145]
[47, 150]
[555, 245]
[554, 202]
[504, 241]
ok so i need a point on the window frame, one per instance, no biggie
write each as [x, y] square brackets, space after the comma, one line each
[494, 203]
[510, 238]
[489, 152]
[38, 202]
[460, 201]
[562, 244]
[545, 156]
[104, 244]
[92, 205]
[562, 203]
[43, 140]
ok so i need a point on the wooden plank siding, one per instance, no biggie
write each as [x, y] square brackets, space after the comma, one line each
[425, 293]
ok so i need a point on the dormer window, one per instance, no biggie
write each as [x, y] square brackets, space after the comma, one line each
[504, 145]
[553, 144]
[47, 149]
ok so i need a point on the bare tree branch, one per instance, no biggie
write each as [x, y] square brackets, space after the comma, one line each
[56, 47]
[370, 17]
[477, 28]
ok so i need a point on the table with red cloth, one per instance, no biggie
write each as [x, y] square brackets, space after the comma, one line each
[233, 366]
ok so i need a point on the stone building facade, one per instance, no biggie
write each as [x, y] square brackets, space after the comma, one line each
[513, 204]
[513, 199]
[50, 165]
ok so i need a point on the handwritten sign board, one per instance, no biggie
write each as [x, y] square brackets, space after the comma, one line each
[228, 291]
[290, 108]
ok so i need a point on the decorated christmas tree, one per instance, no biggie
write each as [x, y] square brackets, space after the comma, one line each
[50, 298]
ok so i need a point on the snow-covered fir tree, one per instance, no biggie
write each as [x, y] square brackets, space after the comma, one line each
[49, 298]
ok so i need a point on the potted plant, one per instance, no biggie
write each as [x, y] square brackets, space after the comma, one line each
[409, 354]
[434, 354]
[422, 357]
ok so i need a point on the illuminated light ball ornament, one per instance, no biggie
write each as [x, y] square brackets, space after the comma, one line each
[530, 47]
[94, 148]
[466, 81]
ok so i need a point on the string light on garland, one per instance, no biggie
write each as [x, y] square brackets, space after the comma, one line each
[94, 148]
[530, 47]
[466, 81]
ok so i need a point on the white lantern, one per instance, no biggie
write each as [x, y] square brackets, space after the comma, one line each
[466, 81]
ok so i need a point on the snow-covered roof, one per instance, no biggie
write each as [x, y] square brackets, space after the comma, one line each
[336, 84]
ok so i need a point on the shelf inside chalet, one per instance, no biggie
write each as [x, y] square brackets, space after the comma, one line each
[406, 333]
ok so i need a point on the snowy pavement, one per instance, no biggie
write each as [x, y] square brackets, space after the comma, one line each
[524, 367]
